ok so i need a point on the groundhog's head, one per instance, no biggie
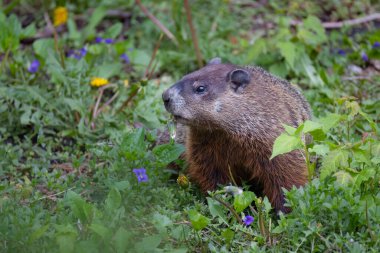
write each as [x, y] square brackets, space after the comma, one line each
[206, 95]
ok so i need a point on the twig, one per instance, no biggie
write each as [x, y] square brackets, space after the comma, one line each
[157, 22]
[352, 78]
[94, 113]
[53, 195]
[340, 24]
[156, 47]
[193, 34]
[107, 104]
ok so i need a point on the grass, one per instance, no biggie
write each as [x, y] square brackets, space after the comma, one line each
[69, 148]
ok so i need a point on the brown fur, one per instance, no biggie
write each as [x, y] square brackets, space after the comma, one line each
[234, 124]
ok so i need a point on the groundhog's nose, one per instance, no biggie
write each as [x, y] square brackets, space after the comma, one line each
[166, 97]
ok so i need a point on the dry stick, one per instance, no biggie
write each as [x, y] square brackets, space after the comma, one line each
[107, 104]
[350, 22]
[157, 22]
[156, 47]
[152, 71]
[193, 34]
[94, 113]
[51, 26]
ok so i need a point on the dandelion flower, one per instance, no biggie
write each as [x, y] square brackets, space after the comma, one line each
[33, 66]
[248, 220]
[141, 175]
[60, 16]
[98, 81]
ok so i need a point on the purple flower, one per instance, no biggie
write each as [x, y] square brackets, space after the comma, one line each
[248, 220]
[341, 52]
[141, 175]
[83, 51]
[98, 40]
[33, 66]
[70, 53]
[108, 41]
[125, 58]
[376, 44]
[364, 56]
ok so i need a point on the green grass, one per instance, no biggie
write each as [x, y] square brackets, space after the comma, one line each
[68, 149]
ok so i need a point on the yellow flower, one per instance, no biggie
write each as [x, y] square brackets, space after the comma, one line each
[98, 81]
[126, 83]
[60, 16]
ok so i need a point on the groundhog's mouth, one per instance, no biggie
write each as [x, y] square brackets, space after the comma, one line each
[179, 119]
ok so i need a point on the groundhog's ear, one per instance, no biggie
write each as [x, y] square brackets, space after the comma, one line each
[239, 79]
[213, 61]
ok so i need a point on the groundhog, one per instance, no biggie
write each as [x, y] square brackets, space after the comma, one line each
[233, 116]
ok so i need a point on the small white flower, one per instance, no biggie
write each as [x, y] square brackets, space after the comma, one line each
[233, 190]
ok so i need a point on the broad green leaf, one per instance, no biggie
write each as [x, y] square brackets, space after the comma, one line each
[37, 233]
[216, 209]
[82, 210]
[198, 220]
[334, 160]
[354, 107]
[310, 126]
[121, 240]
[74, 34]
[228, 235]
[288, 51]
[285, 143]
[329, 121]
[113, 200]
[95, 18]
[312, 31]
[108, 70]
[148, 244]
[41, 47]
[370, 121]
[242, 201]
[100, 230]
[167, 153]
[279, 69]
[305, 65]
[258, 48]
[343, 177]
[289, 129]
[66, 236]
[364, 176]
[320, 149]
[113, 31]
[161, 221]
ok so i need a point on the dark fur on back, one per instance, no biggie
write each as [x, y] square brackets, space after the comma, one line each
[233, 115]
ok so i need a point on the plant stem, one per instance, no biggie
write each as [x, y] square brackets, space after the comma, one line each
[157, 22]
[229, 207]
[193, 34]
[310, 169]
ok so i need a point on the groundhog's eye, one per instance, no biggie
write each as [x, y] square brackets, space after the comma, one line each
[200, 89]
